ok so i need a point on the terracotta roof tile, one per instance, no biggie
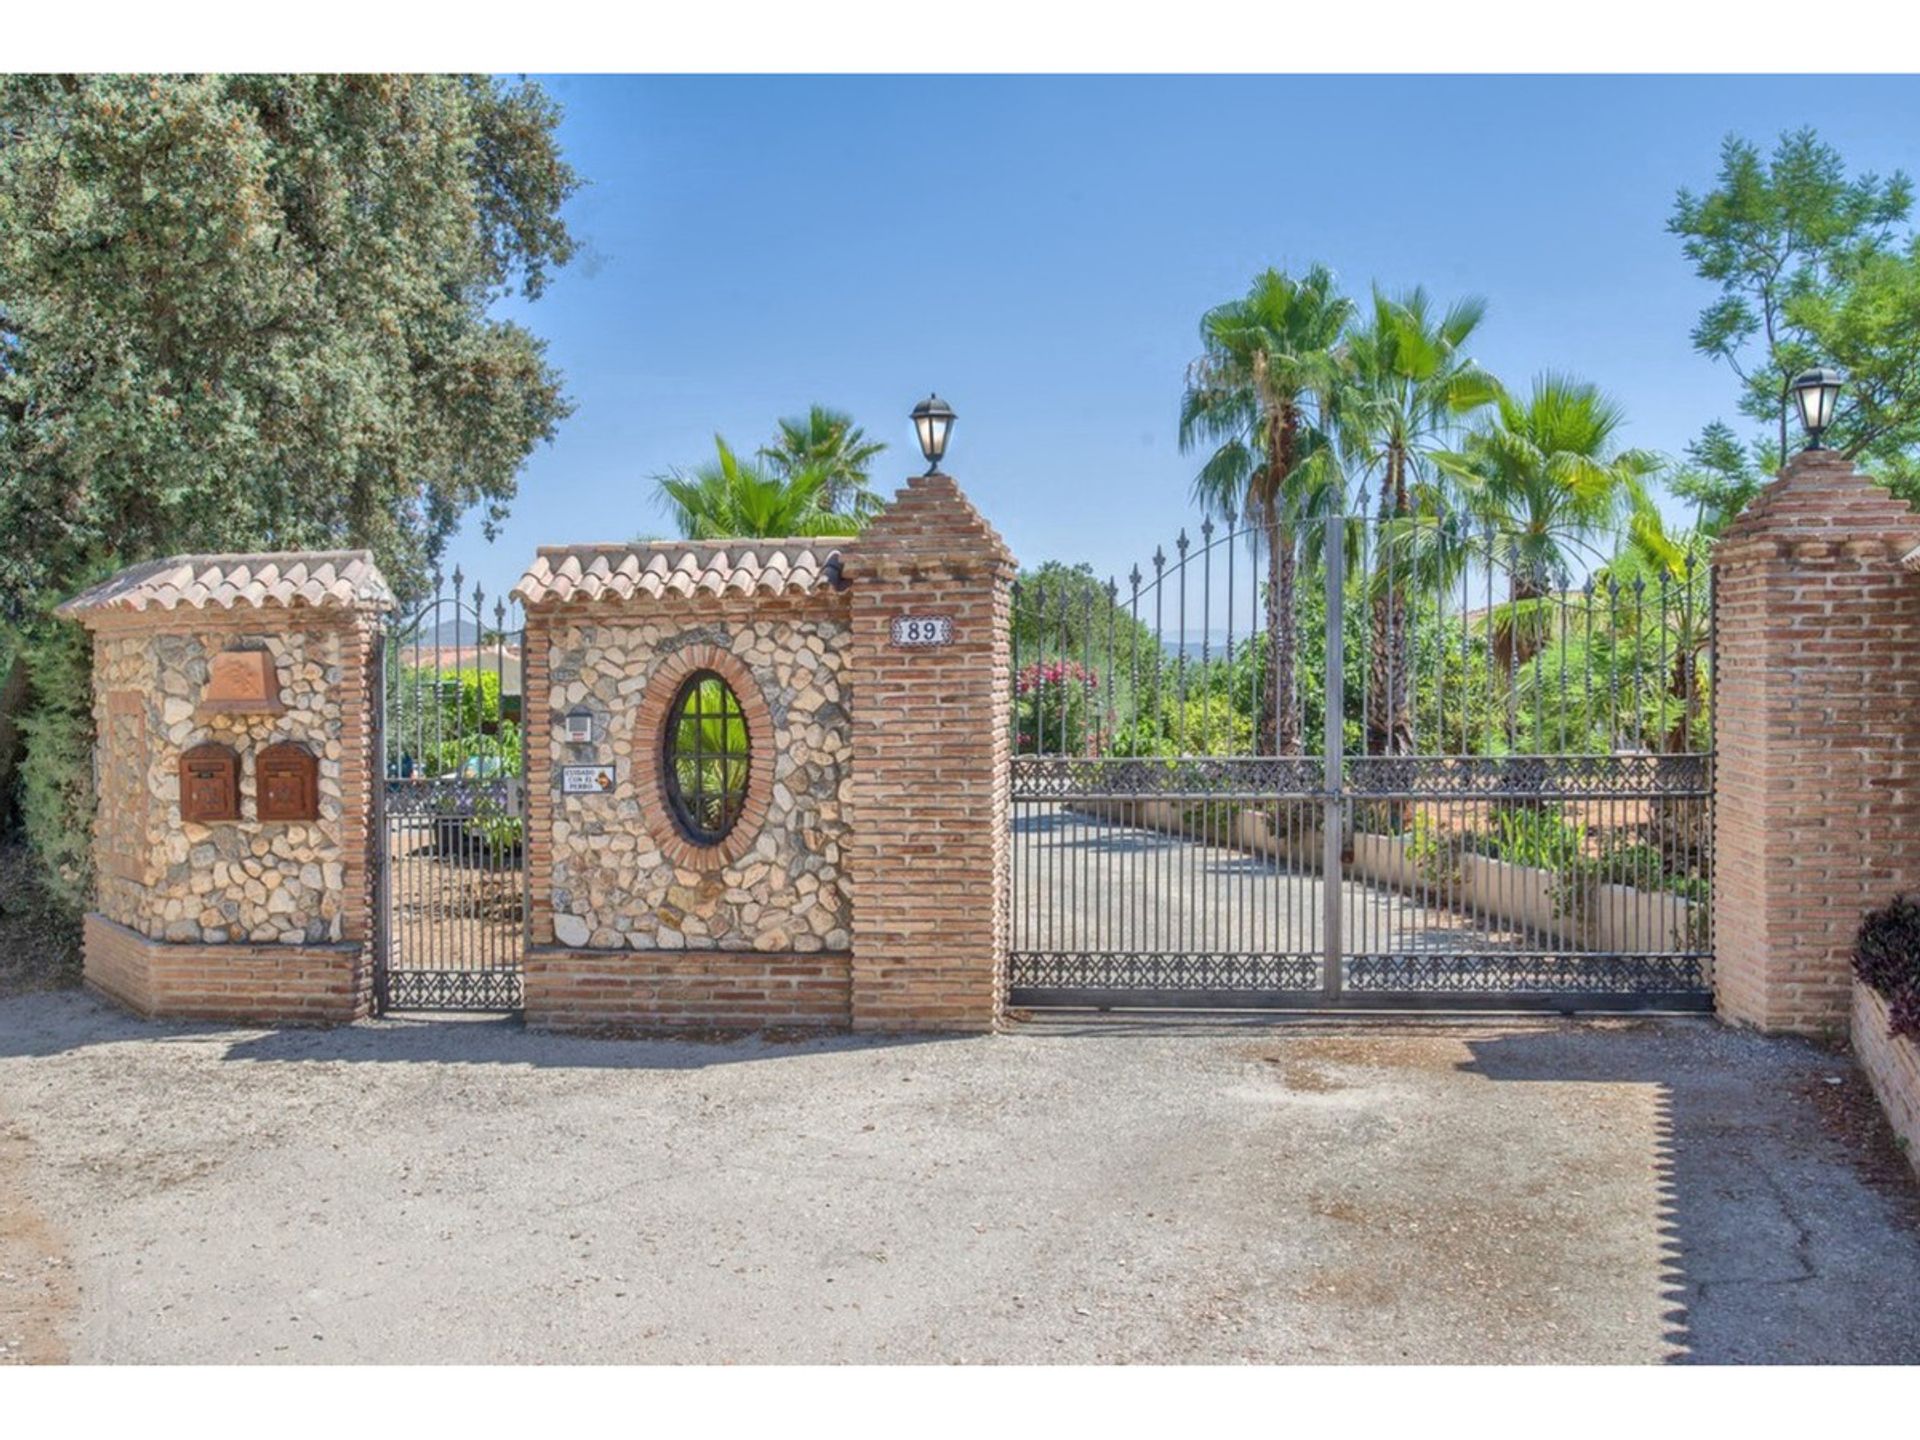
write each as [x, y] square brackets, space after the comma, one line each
[562, 574]
[333, 579]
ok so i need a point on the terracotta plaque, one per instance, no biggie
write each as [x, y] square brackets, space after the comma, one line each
[209, 784]
[240, 682]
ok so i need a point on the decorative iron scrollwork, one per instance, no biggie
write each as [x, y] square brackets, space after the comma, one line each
[1528, 776]
[1050, 777]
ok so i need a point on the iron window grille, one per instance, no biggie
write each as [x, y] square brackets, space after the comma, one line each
[706, 758]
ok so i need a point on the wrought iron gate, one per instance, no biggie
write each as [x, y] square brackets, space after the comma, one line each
[452, 873]
[1391, 762]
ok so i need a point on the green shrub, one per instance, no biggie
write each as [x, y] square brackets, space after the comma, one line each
[1435, 853]
[56, 772]
[1886, 957]
[1055, 706]
[1209, 726]
[1541, 838]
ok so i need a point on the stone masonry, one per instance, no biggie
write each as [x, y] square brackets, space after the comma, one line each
[635, 925]
[243, 918]
[619, 877]
[864, 883]
[1817, 784]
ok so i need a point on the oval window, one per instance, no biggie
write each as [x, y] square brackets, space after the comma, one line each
[706, 758]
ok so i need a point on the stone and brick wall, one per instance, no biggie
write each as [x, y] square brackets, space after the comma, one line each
[1817, 734]
[1892, 1065]
[865, 882]
[616, 875]
[634, 924]
[245, 918]
[242, 880]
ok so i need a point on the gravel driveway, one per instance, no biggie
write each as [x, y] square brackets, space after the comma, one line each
[467, 1191]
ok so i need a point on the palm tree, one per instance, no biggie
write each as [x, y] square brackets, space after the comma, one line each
[1408, 386]
[1676, 564]
[729, 497]
[828, 441]
[1544, 479]
[1260, 397]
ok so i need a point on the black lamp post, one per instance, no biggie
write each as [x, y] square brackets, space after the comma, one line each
[932, 423]
[1817, 393]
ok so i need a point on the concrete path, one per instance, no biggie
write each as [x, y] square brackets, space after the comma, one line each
[1083, 883]
[467, 1191]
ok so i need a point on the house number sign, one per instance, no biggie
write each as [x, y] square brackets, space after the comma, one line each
[586, 779]
[921, 632]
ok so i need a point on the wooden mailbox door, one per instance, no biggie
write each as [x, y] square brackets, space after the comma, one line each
[209, 784]
[289, 777]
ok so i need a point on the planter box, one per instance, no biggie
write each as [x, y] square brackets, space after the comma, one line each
[1892, 1064]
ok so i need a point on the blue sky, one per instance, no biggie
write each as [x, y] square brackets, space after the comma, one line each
[1039, 250]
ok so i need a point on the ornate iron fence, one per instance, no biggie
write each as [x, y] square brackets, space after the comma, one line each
[1391, 761]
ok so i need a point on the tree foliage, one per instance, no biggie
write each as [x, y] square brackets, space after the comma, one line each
[1545, 477]
[1811, 270]
[1718, 477]
[728, 497]
[1259, 402]
[243, 312]
[253, 310]
[56, 779]
[827, 440]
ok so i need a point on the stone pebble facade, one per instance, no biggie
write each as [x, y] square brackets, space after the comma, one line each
[232, 881]
[614, 880]
[235, 919]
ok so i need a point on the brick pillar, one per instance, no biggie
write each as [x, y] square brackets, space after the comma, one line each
[930, 767]
[536, 724]
[1817, 730]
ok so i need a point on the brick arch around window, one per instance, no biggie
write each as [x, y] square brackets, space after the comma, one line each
[650, 756]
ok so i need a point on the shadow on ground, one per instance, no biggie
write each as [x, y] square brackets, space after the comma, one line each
[61, 1022]
[1775, 1197]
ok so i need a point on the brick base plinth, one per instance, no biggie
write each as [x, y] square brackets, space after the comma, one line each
[1892, 1064]
[685, 989]
[242, 984]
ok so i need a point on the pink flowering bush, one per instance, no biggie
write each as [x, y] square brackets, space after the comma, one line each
[1056, 708]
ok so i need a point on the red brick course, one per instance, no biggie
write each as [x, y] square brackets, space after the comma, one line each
[1892, 1065]
[690, 989]
[1817, 733]
[537, 717]
[236, 983]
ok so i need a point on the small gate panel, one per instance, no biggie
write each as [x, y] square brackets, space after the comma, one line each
[452, 822]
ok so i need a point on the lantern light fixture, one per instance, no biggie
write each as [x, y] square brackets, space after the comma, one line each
[1817, 393]
[932, 423]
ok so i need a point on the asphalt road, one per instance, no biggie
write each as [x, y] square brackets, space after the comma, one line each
[468, 1191]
